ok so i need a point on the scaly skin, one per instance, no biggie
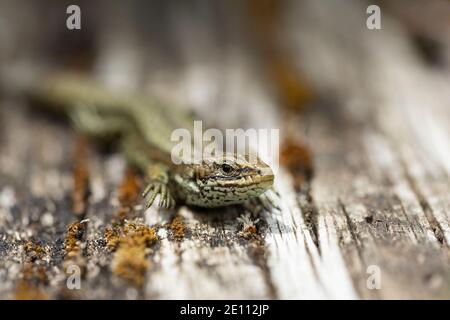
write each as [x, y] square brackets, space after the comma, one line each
[143, 127]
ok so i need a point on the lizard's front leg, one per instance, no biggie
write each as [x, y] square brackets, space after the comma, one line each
[158, 184]
[156, 173]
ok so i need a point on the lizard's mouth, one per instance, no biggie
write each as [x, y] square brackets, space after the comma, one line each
[266, 177]
[267, 181]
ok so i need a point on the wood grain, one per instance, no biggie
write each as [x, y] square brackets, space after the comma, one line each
[379, 196]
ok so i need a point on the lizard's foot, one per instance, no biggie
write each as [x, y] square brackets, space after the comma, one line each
[165, 198]
[158, 186]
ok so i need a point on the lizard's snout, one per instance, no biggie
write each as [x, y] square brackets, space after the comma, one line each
[266, 177]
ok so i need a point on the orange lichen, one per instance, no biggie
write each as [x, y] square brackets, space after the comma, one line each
[291, 89]
[74, 234]
[130, 233]
[248, 232]
[129, 190]
[130, 241]
[33, 250]
[28, 286]
[139, 234]
[130, 263]
[297, 158]
[178, 228]
[80, 177]
[128, 193]
[112, 237]
[264, 18]
[25, 291]
[249, 229]
[33, 274]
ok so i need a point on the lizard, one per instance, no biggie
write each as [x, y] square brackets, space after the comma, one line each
[142, 126]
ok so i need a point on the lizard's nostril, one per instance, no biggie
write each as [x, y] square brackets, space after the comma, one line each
[259, 171]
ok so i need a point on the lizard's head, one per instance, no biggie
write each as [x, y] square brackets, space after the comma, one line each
[228, 179]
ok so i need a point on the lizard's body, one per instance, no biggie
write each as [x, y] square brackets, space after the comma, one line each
[143, 127]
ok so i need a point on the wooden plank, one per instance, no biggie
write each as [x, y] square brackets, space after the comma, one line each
[379, 195]
[380, 153]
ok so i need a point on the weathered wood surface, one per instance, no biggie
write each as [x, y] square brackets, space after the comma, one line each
[380, 194]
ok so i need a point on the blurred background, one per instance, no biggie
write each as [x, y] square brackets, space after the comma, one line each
[223, 53]
[364, 118]
[241, 56]
[252, 64]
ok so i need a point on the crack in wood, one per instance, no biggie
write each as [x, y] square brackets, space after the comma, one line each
[351, 227]
[309, 212]
[426, 208]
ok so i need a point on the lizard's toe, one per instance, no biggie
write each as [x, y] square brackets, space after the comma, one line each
[156, 189]
[169, 201]
[152, 190]
[151, 199]
[162, 202]
[147, 190]
[172, 203]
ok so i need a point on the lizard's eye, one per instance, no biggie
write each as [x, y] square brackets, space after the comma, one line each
[226, 168]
